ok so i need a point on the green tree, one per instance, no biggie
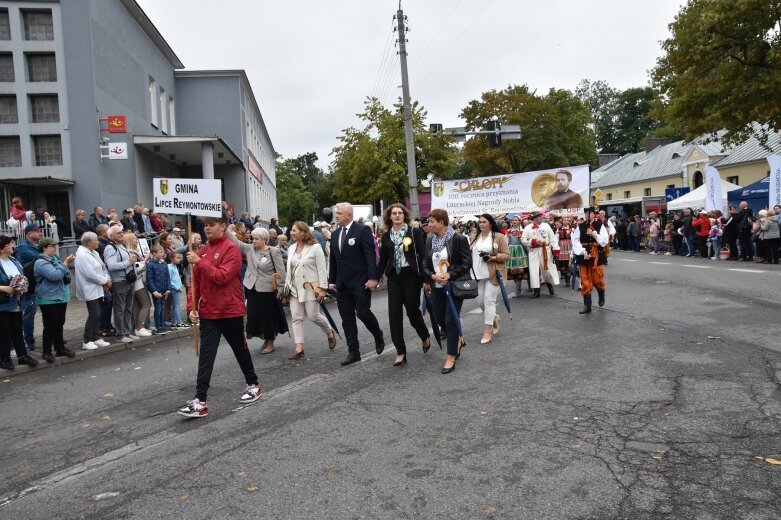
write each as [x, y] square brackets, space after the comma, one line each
[294, 201]
[316, 181]
[370, 164]
[722, 68]
[602, 101]
[633, 119]
[555, 131]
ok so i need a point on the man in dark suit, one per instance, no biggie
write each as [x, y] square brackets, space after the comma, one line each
[353, 274]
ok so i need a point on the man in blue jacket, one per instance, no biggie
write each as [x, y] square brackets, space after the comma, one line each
[27, 252]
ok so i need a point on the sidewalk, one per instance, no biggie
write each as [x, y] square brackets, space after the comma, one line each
[73, 333]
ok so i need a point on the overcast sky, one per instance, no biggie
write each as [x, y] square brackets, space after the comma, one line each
[312, 63]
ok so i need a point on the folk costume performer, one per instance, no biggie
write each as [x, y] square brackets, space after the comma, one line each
[588, 246]
[543, 246]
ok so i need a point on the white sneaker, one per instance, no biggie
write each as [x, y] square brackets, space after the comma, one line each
[89, 346]
[143, 333]
[126, 339]
[101, 343]
[251, 394]
[668, 254]
[133, 337]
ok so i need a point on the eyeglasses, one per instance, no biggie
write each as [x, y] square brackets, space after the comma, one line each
[397, 213]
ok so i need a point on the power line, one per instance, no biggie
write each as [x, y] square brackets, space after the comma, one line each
[385, 55]
[389, 85]
[442, 26]
[432, 69]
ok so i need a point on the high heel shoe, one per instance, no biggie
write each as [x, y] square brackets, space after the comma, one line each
[402, 362]
[486, 335]
[426, 345]
[448, 370]
[297, 355]
[331, 340]
[497, 324]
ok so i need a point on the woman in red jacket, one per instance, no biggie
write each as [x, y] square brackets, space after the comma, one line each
[219, 303]
[701, 226]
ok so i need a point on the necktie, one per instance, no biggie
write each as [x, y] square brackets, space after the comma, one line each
[342, 237]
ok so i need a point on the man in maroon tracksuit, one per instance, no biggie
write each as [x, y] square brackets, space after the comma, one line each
[219, 302]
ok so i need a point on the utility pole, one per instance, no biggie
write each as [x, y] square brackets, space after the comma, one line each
[412, 172]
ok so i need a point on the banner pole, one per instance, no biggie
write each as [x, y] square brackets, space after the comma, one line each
[191, 267]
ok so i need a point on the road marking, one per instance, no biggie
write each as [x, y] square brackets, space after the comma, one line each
[697, 266]
[626, 259]
[661, 263]
[747, 270]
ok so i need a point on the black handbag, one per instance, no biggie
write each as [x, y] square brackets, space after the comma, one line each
[465, 288]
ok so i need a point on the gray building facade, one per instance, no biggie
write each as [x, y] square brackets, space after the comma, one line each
[65, 67]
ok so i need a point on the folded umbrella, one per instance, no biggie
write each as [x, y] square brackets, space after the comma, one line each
[425, 303]
[504, 293]
[281, 308]
[327, 314]
[451, 306]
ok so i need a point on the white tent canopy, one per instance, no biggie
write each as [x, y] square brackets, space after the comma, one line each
[696, 198]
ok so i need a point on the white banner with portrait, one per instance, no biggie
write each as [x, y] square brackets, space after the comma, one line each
[775, 180]
[563, 190]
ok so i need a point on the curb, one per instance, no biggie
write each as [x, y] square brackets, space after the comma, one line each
[86, 354]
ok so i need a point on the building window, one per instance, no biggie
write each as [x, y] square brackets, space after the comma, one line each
[670, 186]
[733, 180]
[647, 192]
[5, 25]
[44, 109]
[609, 196]
[38, 25]
[163, 111]
[48, 150]
[627, 194]
[41, 67]
[7, 67]
[8, 111]
[172, 115]
[153, 100]
[10, 151]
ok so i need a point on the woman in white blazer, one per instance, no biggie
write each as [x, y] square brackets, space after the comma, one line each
[263, 264]
[92, 280]
[307, 285]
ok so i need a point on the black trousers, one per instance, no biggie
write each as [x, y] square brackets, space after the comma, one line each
[447, 322]
[404, 293]
[92, 326]
[732, 244]
[11, 333]
[233, 331]
[746, 247]
[702, 246]
[53, 315]
[677, 240]
[771, 250]
[352, 303]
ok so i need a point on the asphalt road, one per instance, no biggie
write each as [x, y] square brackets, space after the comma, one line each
[664, 404]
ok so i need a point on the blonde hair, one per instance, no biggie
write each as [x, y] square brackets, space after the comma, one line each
[130, 241]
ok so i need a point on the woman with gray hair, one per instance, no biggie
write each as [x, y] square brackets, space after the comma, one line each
[92, 280]
[265, 271]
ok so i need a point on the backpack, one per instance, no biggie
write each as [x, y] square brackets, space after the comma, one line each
[29, 273]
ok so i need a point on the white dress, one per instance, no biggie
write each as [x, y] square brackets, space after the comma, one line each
[532, 236]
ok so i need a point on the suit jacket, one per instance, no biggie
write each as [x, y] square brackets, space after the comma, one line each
[357, 264]
[311, 268]
[414, 252]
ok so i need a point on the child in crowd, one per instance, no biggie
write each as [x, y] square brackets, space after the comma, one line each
[668, 239]
[158, 281]
[175, 271]
[715, 239]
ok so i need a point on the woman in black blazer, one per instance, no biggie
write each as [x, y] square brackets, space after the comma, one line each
[443, 245]
[401, 261]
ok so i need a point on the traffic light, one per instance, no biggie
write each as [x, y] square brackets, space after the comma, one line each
[494, 139]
